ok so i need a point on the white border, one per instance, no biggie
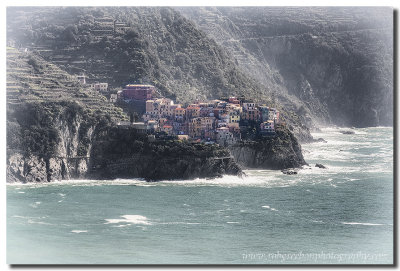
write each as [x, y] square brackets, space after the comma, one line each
[393, 3]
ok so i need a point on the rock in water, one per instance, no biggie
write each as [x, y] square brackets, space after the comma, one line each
[320, 165]
[289, 171]
[347, 132]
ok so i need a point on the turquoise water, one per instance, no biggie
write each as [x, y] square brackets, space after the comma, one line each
[339, 215]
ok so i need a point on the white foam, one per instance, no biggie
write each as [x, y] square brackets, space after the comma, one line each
[21, 192]
[269, 207]
[364, 224]
[232, 222]
[121, 226]
[30, 221]
[130, 219]
[35, 204]
[78, 231]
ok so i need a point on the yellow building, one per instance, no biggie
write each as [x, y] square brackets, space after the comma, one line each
[179, 113]
[234, 118]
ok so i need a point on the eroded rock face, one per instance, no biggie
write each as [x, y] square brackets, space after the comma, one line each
[26, 169]
[32, 168]
[166, 168]
[280, 152]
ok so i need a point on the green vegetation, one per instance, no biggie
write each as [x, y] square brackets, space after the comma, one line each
[126, 142]
[159, 46]
[31, 78]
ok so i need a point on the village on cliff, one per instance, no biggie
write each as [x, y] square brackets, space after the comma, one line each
[220, 121]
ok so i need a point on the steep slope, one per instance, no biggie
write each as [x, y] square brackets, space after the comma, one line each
[51, 119]
[155, 45]
[57, 129]
[30, 78]
[338, 61]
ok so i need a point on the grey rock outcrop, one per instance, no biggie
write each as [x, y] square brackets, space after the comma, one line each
[280, 152]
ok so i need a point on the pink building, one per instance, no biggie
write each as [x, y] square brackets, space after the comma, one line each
[138, 92]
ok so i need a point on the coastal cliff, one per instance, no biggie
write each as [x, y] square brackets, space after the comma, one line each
[61, 141]
[125, 153]
[50, 141]
[279, 152]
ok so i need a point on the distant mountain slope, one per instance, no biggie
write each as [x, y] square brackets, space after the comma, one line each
[338, 61]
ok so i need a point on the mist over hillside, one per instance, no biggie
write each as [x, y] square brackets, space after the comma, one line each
[318, 65]
[337, 60]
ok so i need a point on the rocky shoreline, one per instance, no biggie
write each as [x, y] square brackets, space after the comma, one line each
[80, 149]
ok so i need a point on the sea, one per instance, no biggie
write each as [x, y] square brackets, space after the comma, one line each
[342, 214]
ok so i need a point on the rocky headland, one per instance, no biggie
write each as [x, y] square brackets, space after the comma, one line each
[62, 141]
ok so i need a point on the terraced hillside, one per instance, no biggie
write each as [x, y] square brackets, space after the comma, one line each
[32, 79]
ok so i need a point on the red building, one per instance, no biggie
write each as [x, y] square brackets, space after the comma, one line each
[138, 92]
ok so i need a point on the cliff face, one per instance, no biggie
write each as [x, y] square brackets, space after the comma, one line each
[157, 167]
[47, 142]
[124, 153]
[280, 152]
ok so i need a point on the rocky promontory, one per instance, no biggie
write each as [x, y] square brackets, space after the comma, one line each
[62, 140]
[125, 153]
[59, 141]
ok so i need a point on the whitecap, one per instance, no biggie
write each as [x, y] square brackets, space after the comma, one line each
[130, 219]
[78, 231]
[269, 207]
[232, 222]
[35, 205]
[364, 224]
[21, 192]
[30, 221]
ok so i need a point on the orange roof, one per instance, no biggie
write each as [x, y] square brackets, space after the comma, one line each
[179, 108]
[167, 126]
